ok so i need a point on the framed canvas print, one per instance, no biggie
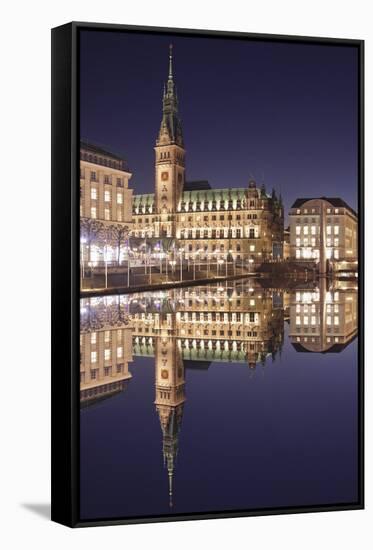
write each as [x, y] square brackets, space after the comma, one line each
[207, 274]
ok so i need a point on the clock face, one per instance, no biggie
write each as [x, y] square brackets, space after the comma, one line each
[164, 176]
[164, 374]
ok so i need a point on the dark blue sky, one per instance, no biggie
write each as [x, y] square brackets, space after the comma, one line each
[285, 114]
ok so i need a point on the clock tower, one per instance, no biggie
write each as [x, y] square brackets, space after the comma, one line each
[169, 159]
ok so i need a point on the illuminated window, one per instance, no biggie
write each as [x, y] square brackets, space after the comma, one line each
[297, 241]
[313, 241]
[313, 230]
[305, 230]
[305, 320]
[119, 215]
[328, 320]
[297, 253]
[93, 337]
[120, 352]
[336, 296]
[93, 212]
[328, 210]
[297, 229]
[252, 302]
[328, 230]
[336, 320]
[107, 335]
[336, 230]
[336, 254]
[107, 354]
[93, 193]
[313, 320]
[336, 242]
[93, 356]
[297, 309]
[252, 247]
[107, 196]
[297, 320]
[120, 198]
[107, 213]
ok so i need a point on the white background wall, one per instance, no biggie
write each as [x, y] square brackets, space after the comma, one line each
[25, 300]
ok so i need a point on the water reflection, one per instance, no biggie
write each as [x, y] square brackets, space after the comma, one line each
[228, 322]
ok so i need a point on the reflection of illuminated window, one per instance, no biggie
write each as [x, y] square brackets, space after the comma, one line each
[336, 296]
[313, 308]
[107, 335]
[313, 241]
[93, 193]
[305, 230]
[107, 196]
[336, 242]
[298, 308]
[107, 214]
[297, 253]
[328, 320]
[107, 354]
[93, 356]
[313, 320]
[297, 320]
[252, 247]
[336, 254]
[305, 320]
[93, 212]
[93, 337]
[252, 302]
[328, 230]
[120, 352]
[336, 308]
[336, 319]
[313, 230]
[297, 229]
[297, 241]
[336, 230]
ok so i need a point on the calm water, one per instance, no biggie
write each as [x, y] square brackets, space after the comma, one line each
[225, 397]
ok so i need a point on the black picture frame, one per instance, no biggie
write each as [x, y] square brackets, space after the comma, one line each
[65, 274]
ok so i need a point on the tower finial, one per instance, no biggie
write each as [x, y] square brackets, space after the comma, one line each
[170, 75]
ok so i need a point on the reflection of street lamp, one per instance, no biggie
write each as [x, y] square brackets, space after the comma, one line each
[105, 260]
[181, 250]
[220, 262]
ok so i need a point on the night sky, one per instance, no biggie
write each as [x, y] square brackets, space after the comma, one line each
[283, 114]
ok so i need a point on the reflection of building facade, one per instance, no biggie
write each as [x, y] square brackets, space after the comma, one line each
[323, 320]
[105, 351]
[324, 230]
[239, 221]
[241, 323]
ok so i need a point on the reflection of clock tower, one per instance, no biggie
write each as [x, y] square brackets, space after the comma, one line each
[169, 392]
[169, 159]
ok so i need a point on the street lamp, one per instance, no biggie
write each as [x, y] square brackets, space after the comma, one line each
[82, 242]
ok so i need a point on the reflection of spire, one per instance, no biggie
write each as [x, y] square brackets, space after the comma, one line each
[170, 475]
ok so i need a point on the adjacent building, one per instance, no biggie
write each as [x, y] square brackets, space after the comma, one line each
[105, 205]
[324, 230]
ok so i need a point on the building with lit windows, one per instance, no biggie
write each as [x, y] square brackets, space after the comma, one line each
[244, 223]
[324, 230]
[105, 205]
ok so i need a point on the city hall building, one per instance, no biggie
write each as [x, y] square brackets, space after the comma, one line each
[242, 223]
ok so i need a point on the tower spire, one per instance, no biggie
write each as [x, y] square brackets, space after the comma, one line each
[170, 75]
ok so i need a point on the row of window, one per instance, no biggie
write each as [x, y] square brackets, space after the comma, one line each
[312, 320]
[107, 354]
[316, 210]
[108, 180]
[107, 195]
